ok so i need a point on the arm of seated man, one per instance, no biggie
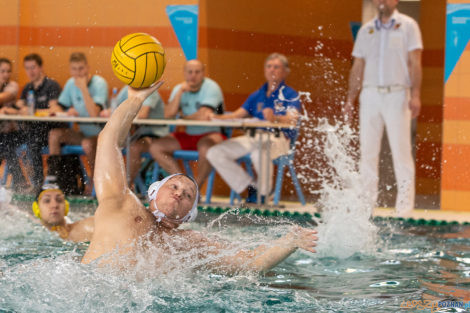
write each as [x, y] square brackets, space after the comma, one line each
[239, 113]
[9, 110]
[203, 114]
[22, 107]
[92, 107]
[55, 107]
[291, 116]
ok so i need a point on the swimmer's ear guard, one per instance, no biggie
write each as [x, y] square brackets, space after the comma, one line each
[49, 184]
[37, 212]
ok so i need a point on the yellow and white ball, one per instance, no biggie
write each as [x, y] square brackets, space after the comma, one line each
[138, 60]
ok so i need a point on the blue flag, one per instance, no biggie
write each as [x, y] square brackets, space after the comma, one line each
[184, 19]
[457, 34]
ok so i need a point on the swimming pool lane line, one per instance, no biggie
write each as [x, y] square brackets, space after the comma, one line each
[288, 213]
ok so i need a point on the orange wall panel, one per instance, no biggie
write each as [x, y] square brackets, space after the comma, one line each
[455, 187]
[9, 13]
[83, 13]
[429, 124]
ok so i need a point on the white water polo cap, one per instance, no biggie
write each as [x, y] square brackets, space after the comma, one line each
[152, 194]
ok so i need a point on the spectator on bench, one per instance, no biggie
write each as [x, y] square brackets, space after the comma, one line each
[196, 99]
[44, 92]
[10, 135]
[84, 95]
[273, 102]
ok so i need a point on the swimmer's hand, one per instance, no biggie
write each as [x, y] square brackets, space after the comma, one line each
[303, 238]
[143, 93]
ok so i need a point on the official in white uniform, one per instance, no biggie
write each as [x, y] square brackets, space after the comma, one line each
[387, 73]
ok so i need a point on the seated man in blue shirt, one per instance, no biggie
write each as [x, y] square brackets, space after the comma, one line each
[273, 102]
[84, 95]
[196, 98]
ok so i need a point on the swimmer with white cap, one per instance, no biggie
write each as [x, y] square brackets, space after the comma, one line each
[123, 224]
[164, 197]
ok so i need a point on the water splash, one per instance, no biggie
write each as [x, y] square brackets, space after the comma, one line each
[346, 227]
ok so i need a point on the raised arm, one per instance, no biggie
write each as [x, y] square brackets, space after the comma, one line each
[110, 174]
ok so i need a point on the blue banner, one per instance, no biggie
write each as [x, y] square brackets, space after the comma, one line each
[355, 26]
[457, 34]
[184, 19]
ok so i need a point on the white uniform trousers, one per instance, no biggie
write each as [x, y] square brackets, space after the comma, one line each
[389, 109]
[224, 155]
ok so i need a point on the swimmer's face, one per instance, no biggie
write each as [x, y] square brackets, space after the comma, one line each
[52, 207]
[5, 72]
[33, 70]
[275, 71]
[386, 7]
[79, 69]
[194, 74]
[175, 199]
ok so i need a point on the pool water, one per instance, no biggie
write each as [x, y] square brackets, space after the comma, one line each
[41, 273]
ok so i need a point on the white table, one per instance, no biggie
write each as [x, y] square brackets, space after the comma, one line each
[245, 124]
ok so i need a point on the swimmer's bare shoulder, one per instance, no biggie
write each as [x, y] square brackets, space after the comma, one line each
[118, 223]
[82, 230]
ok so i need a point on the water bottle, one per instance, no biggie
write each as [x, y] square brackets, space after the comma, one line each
[30, 102]
[113, 103]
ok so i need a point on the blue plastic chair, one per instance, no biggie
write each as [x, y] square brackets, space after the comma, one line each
[249, 168]
[282, 162]
[139, 182]
[193, 155]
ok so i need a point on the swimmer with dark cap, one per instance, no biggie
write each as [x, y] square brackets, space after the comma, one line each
[51, 208]
[123, 225]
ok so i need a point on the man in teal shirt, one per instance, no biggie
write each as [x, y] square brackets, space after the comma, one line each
[197, 98]
[84, 95]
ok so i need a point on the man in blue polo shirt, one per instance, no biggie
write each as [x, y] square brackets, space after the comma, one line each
[84, 95]
[273, 102]
[196, 98]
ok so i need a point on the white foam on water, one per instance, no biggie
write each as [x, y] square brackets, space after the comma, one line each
[42, 273]
[346, 228]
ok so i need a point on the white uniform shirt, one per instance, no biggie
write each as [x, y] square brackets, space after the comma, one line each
[385, 50]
